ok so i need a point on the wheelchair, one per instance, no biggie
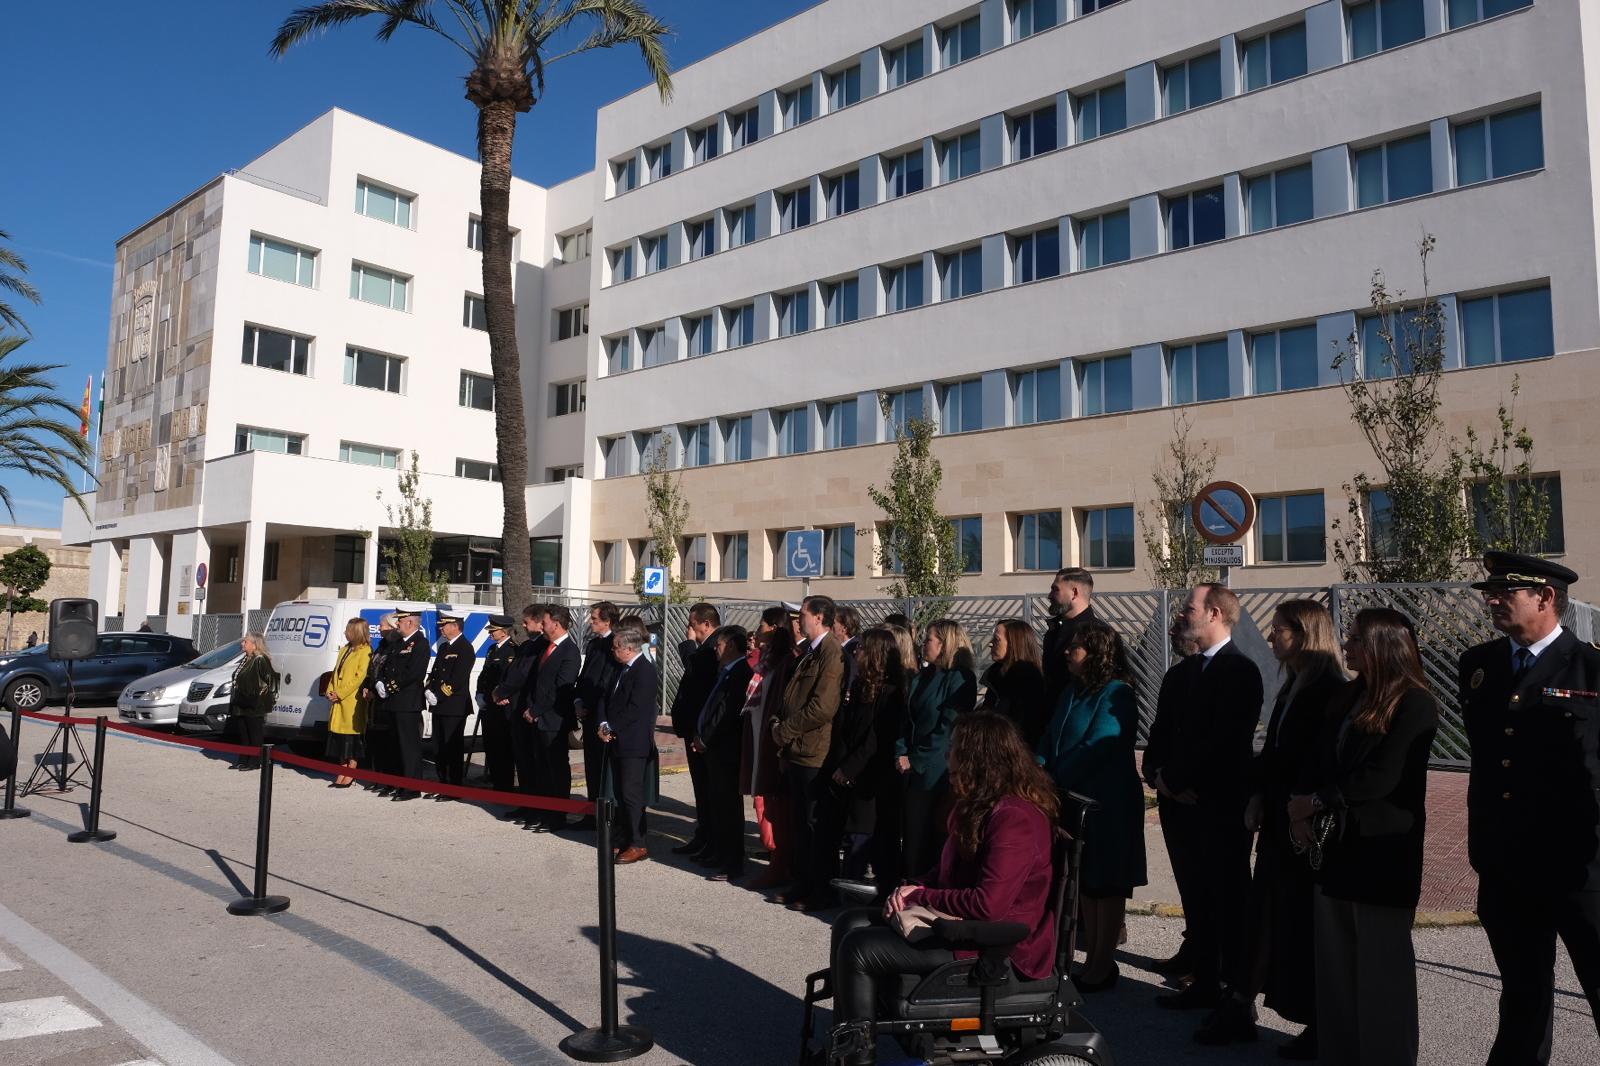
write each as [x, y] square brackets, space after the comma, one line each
[977, 1010]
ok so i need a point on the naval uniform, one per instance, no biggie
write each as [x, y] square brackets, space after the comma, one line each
[450, 681]
[497, 756]
[403, 674]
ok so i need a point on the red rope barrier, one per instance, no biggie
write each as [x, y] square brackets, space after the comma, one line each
[57, 718]
[482, 795]
[178, 738]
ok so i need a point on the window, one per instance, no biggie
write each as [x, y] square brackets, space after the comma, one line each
[842, 193]
[1038, 396]
[622, 263]
[1103, 111]
[572, 322]
[349, 555]
[1194, 82]
[696, 444]
[372, 370]
[477, 471]
[572, 247]
[904, 407]
[653, 346]
[741, 322]
[249, 439]
[1034, 133]
[619, 355]
[475, 233]
[368, 455]
[1283, 360]
[903, 174]
[1379, 25]
[1038, 541]
[383, 204]
[373, 286]
[701, 237]
[844, 87]
[902, 286]
[626, 174]
[1378, 357]
[612, 562]
[960, 42]
[694, 558]
[905, 63]
[1507, 327]
[969, 542]
[1394, 171]
[961, 273]
[1274, 57]
[794, 312]
[798, 107]
[1038, 255]
[1104, 240]
[269, 562]
[1196, 218]
[793, 437]
[1380, 524]
[839, 424]
[272, 350]
[652, 254]
[841, 301]
[744, 127]
[476, 391]
[557, 474]
[567, 398]
[1466, 12]
[1088, 7]
[962, 406]
[702, 335]
[283, 261]
[705, 143]
[794, 209]
[741, 225]
[735, 550]
[615, 450]
[1029, 17]
[474, 315]
[1199, 372]
[839, 551]
[658, 161]
[1108, 538]
[960, 156]
[1106, 385]
[1291, 529]
[1498, 146]
[1281, 198]
[738, 439]
[1489, 514]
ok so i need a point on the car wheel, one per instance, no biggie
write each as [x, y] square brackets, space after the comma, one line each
[25, 694]
[1049, 1057]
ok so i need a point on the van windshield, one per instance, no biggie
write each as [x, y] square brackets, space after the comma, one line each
[216, 657]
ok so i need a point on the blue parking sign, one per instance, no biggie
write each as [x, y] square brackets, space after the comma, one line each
[655, 581]
[802, 553]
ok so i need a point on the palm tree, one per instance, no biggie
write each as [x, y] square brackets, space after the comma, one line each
[12, 267]
[509, 43]
[32, 440]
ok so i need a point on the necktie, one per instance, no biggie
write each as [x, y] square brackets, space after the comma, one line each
[546, 655]
[1523, 662]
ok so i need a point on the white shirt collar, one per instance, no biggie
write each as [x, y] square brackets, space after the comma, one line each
[819, 639]
[1211, 652]
[1538, 647]
[557, 641]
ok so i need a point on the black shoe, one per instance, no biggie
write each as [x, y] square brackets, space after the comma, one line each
[1195, 997]
[1105, 984]
[443, 799]
[401, 797]
[536, 827]
[690, 846]
[1233, 1022]
[385, 791]
[510, 816]
[1180, 964]
[254, 764]
[1302, 1048]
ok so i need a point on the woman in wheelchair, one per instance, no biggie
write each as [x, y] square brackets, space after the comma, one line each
[996, 867]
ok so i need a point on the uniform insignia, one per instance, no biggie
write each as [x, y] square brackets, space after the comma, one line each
[1571, 693]
[1477, 678]
[447, 690]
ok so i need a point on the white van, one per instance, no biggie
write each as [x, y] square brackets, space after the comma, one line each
[304, 638]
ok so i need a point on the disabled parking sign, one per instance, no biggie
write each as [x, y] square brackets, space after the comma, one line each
[802, 553]
[655, 581]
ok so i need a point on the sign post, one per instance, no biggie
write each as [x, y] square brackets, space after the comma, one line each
[802, 556]
[656, 583]
[1223, 513]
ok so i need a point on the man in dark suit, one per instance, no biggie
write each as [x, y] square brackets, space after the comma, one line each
[628, 727]
[496, 728]
[1198, 761]
[512, 698]
[699, 674]
[550, 715]
[401, 690]
[594, 685]
[1531, 700]
[448, 695]
[847, 631]
[720, 739]
[1070, 595]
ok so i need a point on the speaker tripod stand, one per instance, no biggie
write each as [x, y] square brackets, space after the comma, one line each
[67, 733]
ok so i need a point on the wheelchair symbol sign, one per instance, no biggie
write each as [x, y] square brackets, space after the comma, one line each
[802, 553]
[655, 581]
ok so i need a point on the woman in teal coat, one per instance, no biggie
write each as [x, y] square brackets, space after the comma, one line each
[945, 688]
[1088, 749]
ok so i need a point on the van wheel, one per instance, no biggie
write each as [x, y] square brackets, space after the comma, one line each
[25, 694]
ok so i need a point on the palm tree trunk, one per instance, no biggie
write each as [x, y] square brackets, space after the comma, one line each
[497, 125]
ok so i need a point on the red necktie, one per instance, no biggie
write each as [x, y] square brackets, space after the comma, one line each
[546, 654]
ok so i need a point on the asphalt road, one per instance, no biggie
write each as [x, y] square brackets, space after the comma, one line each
[430, 933]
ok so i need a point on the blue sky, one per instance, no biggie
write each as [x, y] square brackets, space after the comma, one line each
[118, 110]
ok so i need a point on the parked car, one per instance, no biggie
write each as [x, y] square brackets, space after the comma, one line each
[158, 700]
[31, 679]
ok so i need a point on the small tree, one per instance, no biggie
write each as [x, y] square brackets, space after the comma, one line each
[1173, 547]
[410, 557]
[668, 514]
[22, 573]
[919, 545]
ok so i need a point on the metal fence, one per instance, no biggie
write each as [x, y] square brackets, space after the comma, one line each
[1449, 618]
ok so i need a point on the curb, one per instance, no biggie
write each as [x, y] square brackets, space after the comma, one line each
[1424, 919]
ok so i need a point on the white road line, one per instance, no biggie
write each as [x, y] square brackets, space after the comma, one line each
[6, 963]
[142, 1022]
[40, 1017]
[141, 1062]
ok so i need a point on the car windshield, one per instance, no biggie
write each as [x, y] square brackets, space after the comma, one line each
[216, 657]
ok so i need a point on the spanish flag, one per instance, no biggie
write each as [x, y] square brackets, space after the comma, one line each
[88, 397]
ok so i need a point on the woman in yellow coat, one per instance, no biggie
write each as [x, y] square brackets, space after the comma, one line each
[347, 713]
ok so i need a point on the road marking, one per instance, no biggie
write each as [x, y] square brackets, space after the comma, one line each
[158, 1033]
[141, 1062]
[40, 1017]
[6, 963]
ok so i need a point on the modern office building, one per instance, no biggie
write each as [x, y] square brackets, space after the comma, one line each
[1051, 226]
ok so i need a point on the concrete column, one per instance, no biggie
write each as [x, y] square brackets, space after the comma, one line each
[763, 434]
[869, 293]
[1066, 129]
[189, 550]
[819, 94]
[1233, 205]
[714, 428]
[1333, 335]
[1069, 388]
[1444, 171]
[817, 202]
[932, 289]
[766, 324]
[1147, 376]
[996, 262]
[576, 548]
[997, 400]
[871, 181]
[675, 340]
[1232, 77]
[1433, 22]
[255, 550]
[814, 307]
[105, 576]
[813, 416]
[1238, 364]
[724, 144]
[1325, 35]
[930, 404]
[146, 573]
[932, 59]
[1144, 94]
[681, 159]
[1071, 259]
[931, 169]
[677, 239]
[1144, 226]
[371, 552]
[992, 25]
[769, 121]
[992, 142]
[1330, 181]
[766, 213]
[873, 75]
[869, 419]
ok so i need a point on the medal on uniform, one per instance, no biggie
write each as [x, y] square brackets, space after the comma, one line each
[1477, 678]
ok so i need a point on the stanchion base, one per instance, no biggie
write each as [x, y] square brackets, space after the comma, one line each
[265, 905]
[593, 1045]
[14, 812]
[92, 836]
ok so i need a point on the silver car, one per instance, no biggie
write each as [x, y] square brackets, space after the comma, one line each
[156, 700]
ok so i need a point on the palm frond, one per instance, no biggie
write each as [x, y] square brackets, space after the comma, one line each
[617, 22]
[305, 22]
[32, 441]
[12, 267]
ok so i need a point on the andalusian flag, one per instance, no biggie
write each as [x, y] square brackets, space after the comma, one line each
[88, 398]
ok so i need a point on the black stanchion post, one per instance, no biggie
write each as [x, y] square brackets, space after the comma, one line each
[11, 810]
[259, 902]
[610, 1042]
[94, 834]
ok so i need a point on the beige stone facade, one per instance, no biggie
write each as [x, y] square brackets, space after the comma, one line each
[69, 577]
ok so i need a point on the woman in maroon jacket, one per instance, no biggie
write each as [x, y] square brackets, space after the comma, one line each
[996, 867]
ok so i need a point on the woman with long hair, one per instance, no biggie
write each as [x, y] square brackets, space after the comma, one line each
[995, 866]
[255, 686]
[774, 647]
[1363, 825]
[944, 689]
[347, 710]
[907, 647]
[1013, 685]
[1088, 748]
[382, 752]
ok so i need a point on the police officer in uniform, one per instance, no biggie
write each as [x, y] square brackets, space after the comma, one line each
[448, 696]
[401, 690]
[497, 757]
[1531, 700]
